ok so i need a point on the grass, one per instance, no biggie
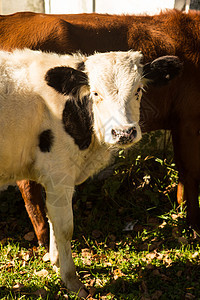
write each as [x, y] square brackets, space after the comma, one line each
[130, 240]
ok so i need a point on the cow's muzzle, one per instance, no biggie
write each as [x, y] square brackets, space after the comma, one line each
[125, 136]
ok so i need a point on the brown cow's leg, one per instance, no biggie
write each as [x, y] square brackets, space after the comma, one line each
[32, 195]
[180, 193]
[187, 155]
[191, 194]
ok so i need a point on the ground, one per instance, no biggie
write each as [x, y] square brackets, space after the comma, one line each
[130, 241]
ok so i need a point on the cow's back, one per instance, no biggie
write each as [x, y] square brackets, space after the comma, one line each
[170, 33]
[21, 111]
[34, 31]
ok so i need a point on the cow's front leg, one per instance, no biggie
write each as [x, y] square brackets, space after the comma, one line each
[59, 208]
[53, 249]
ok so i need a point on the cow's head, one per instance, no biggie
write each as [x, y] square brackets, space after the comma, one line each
[116, 82]
[103, 95]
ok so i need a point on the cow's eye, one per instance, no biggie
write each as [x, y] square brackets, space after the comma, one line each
[95, 94]
[138, 92]
[97, 97]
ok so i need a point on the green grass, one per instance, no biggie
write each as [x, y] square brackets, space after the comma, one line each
[158, 259]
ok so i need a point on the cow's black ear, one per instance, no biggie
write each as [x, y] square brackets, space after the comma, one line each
[65, 80]
[162, 70]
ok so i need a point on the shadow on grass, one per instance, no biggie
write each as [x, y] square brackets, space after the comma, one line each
[155, 279]
[180, 280]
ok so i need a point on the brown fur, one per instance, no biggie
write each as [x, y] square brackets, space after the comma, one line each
[175, 107]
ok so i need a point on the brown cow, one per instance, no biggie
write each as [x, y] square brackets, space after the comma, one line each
[175, 107]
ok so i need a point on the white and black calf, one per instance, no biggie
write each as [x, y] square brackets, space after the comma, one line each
[61, 117]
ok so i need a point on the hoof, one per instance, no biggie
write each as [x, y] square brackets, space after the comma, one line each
[83, 292]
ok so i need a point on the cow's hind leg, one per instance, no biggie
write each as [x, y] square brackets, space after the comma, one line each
[180, 193]
[191, 189]
[32, 195]
[187, 154]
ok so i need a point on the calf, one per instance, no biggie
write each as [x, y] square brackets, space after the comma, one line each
[174, 107]
[74, 119]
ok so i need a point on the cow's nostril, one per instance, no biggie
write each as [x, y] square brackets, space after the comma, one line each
[132, 132]
[113, 132]
[125, 135]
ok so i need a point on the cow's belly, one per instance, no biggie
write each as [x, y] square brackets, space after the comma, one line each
[15, 160]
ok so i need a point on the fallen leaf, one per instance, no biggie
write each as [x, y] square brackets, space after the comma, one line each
[174, 216]
[183, 240]
[179, 273]
[175, 232]
[96, 233]
[153, 221]
[98, 257]
[99, 282]
[55, 269]
[86, 252]
[149, 267]
[112, 237]
[86, 256]
[23, 272]
[46, 257]
[151, 255]
[29, 236]
[159, 256]
[163, 224]
[41, 273]
[156, 272]
[144, 246]
[118, 273]
[165, 278]
[144, 287]
[92, 291]
[168, 261]
[40, 293]
[8, 250]
[156, 295]
[5, 240]
[111, 245]
[18, 287]
[24, 255]
[195, 254]
[189, 296]
[109, 296]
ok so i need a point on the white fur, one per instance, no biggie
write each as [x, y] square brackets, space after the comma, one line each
[115, 77]
[29, 106]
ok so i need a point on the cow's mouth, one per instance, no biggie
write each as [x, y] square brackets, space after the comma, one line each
[124, 137]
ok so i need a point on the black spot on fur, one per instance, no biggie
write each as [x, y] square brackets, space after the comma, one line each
[81, 66]
[78, 120]
[66, 80]
[46, 140]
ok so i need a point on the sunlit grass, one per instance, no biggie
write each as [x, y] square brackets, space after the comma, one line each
[158, 258]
